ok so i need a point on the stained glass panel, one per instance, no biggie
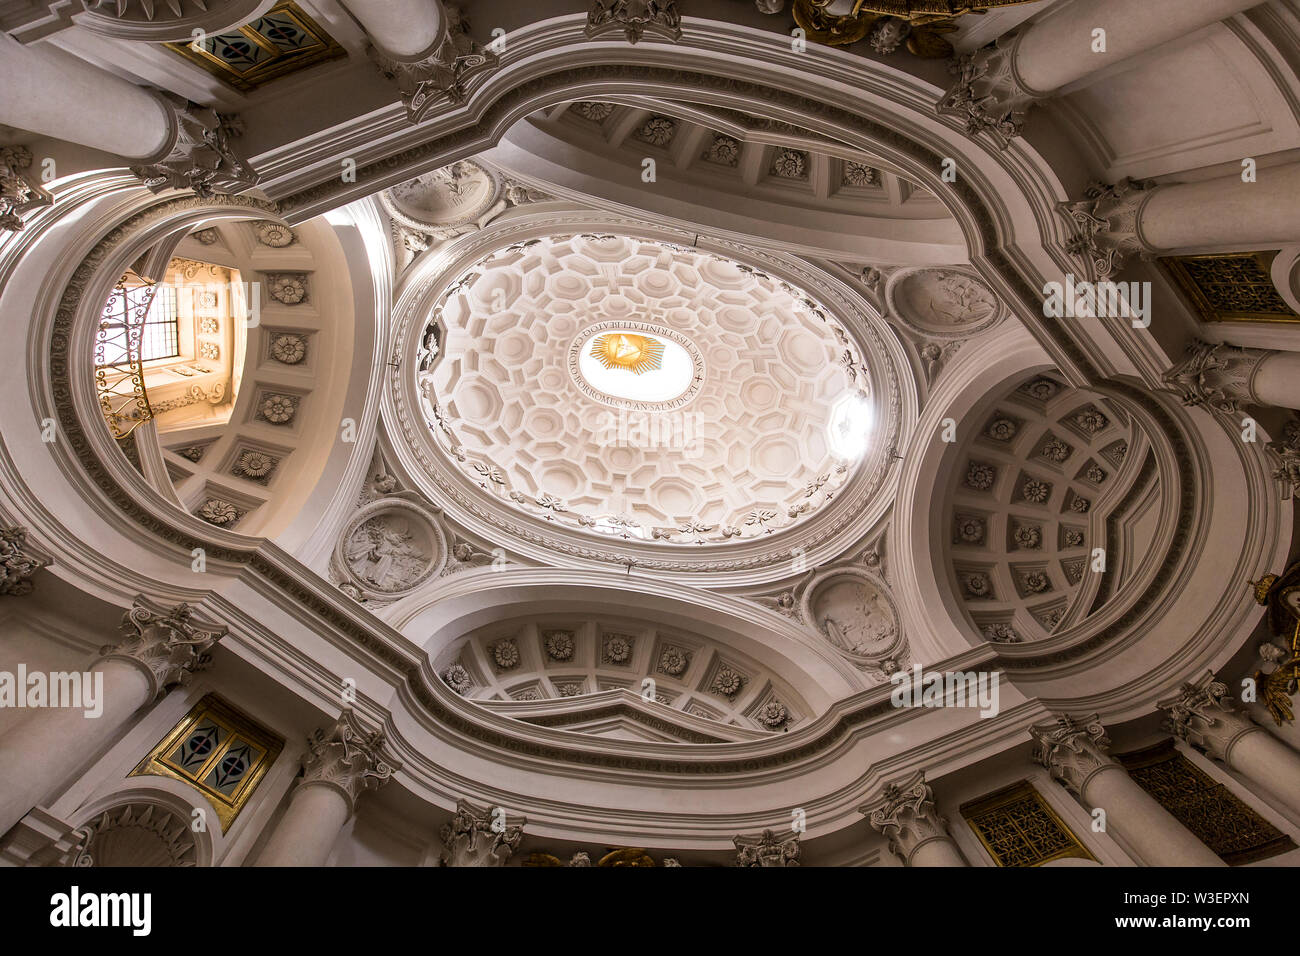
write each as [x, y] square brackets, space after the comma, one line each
[217, 750]
[280, 42]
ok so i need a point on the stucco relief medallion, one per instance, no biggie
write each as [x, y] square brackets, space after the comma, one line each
[454, 195]
[854, 612]
[389, 549]
[941, 303]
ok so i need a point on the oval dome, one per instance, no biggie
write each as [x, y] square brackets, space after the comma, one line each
[640, 389]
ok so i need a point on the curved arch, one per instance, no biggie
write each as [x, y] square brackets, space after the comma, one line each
[167, 830]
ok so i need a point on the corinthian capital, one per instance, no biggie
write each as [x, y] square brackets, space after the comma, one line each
[1072, 750]
[767, 849]
[989, 95]
[635, 18]
[905, 813]
[1203, 716]
[348, 757]
[168, 643]
[479, 837]
[201, 157]
[18, 562]
[1107, 224]
[19, 192]
[442, 74]
[1216, 376]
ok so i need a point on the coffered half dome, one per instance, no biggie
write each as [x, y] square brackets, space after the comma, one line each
[1056, 503]
[638, 390]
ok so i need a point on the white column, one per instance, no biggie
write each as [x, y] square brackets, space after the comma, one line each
[1227, 378]
[306, 833]
[1058, 51]
[1114, 222]
[917, 834]
[406, 29]
[998, 84]
[1203, 715]
[56, 94]
[1075, 753]
[1225, 212]
[431, 58]
[162, 648]
[342, 763]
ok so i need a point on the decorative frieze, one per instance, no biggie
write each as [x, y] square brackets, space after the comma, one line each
[170, 644]
[1286, 453]
[480, 837]
[348, 758]
[767, 849]
[202, 156]
[18, 563]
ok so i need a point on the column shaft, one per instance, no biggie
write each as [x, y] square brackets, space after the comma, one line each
[1150, 829]
[40, 752]
[406, 29]
[56, 94]
[1264, 760]
[1058, 51]
[1277, 380]
[307, 831]
[1225, 212]
[938, 852]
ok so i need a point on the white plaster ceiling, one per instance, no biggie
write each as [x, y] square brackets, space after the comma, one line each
[743, 454]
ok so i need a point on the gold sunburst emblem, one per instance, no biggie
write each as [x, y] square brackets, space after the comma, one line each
[636, 353]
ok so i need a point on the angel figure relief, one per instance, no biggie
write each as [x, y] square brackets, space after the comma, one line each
[385, 556]
[1278, 676]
